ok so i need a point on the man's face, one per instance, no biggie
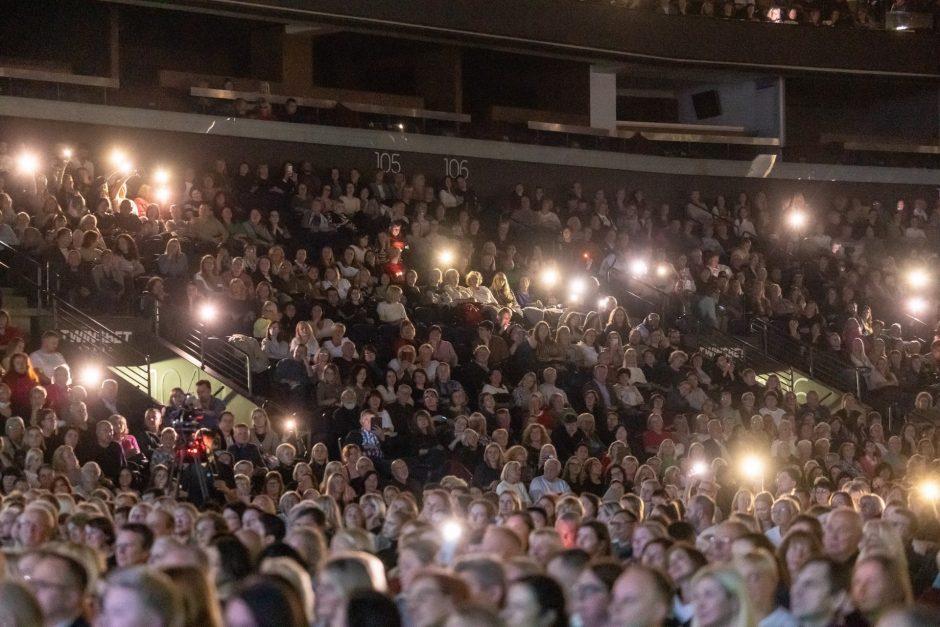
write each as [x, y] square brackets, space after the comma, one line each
[32, 529]
[153, 420]
[241, 434]
[631, 603]
[129, 549]
[400, 471]
[841, 535]
[57, 594]
[122, 606]
[621, 528]
[104, 431]
[46, 475]
[50, 344]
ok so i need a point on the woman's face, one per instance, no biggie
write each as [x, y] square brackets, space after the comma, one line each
[522, 607]
[712, 605]
[679, 566]
[591, 598]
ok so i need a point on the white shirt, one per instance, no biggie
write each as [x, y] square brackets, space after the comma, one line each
[336, 350]
[776, 414]
[540, 485]
[46, 363]
[391, 312]
[778, 618]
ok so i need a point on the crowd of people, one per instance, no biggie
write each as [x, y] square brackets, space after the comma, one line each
[495, 426]
[836, 13]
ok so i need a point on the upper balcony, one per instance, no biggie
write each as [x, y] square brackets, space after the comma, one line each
[904, 44]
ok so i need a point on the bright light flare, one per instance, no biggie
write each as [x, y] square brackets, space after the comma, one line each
[917, 305]
[662, 270]
[577, 286]
[451, 531]
[698, 468]
[918, 278]
[290, 424]
[91, 376]
[752, 467]
[446, 257]
[797, 219]
[161, 176]
[929, 490]
[550, 277]
[603, 303]
[162, 195]
[118, 157]
[126, 168]
[639, 267]
[27, 163]
[207, 312]
[67, 153]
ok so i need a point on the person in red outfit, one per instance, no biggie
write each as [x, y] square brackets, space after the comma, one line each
[21, 378]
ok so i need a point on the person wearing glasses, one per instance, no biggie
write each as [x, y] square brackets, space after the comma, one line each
[60, 583]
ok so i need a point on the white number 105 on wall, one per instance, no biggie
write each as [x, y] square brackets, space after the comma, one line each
[388, 162]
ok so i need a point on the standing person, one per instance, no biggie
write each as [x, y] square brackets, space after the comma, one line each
[47, 357]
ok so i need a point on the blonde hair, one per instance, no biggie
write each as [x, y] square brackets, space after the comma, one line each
[735, 590]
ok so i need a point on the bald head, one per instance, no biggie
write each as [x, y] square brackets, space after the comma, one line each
[842, 534]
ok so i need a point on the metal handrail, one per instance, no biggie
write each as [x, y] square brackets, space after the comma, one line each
[713, 341]
[87, 333]
[825, 366]
[215, 354]
[34, 277]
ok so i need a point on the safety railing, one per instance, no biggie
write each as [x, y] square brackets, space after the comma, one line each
[217, 356]
[825, 366]
[25, 273]
[100, 344]
[713, 342]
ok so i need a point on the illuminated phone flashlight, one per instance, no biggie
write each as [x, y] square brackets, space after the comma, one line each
[451, 532]
[639, 267]
[550, 277]
[207, 312]
[27, 163]
[917, 305]
[929, 490]
[161, 176]
[291, 424]
[603, 303]
[796, 219]
[66, 153]
[918, 278]
[446, 257]
[752, 467]
[698, 469]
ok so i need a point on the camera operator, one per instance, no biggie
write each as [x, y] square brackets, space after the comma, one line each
[207, 406]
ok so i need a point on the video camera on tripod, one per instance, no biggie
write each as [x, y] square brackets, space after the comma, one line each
[193, 469]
